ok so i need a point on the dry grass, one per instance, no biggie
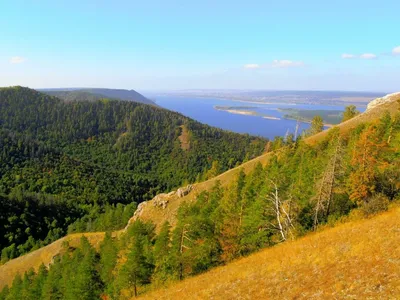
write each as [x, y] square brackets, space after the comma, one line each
[355, 260]
[368, 116]
[43, 255]
[158, 215]
[184, 138]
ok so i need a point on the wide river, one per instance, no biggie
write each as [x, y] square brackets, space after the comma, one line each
[202, 110]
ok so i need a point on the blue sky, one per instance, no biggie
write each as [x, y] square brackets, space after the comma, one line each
[146, 45]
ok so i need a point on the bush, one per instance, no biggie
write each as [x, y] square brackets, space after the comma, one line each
[375, 204]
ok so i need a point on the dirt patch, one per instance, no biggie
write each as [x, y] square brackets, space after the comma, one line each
[184, 138]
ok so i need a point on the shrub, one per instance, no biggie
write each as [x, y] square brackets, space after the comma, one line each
[375, 204]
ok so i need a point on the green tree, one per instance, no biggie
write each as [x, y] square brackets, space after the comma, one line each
[108, 261]
[162, 248]
[15, 292]
[350, 112]
[317, 125]
[138, 267]
[84, 282]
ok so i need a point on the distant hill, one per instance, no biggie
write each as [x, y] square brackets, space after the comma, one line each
[93, 94]
[349, 172]
[70, 165]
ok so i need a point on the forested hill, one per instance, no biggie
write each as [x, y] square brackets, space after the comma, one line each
[350, 172]
[93, 94]
[83, 163]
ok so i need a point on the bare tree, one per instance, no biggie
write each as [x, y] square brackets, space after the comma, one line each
[283, 218]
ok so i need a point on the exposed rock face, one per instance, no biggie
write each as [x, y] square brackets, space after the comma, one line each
[161, 200]
[385, 99]
[182, 192]
[138, 212]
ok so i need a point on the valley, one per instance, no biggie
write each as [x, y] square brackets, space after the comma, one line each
[218, 197]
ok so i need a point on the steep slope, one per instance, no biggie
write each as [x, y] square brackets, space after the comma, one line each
[44, 256]
[97, 94]
[358, 259]
[94, 155]
[152, 211]
[390, 104]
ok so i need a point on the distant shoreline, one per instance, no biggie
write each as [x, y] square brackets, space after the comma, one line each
[306, 121]
[245, 112]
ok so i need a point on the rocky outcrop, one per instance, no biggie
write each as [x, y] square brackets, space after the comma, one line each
[137, 213]
[162, 200]
[385, 99]
[159, 201]
[182, 192]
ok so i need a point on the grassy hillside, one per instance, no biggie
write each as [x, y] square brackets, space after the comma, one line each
[357, 260]
[43, 255]
[88, 160]
[212, 214]
[369, 115]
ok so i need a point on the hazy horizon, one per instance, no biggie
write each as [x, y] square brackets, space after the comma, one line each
[179, 45]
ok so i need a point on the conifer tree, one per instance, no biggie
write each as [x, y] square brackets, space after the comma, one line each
[36, 288]
[52, 285]
[15, 292]
[85, 282]
[138, 268]
[364, 162]
[4, 293]
[350, 112]
[162, 249]
[108, 259]
[317, 125]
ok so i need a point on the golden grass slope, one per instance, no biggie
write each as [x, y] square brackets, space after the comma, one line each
[43, 255]
[355, 260]
[158, 215]
[375, 113]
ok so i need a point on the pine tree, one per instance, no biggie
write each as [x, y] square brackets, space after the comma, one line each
[4, 293]
[162, 249]
[35, 291]
[15, 292]
[138, 268]
[317, 125]
[364, 162]
[85, 283]
[52, 288]
[350, 112]
[27, 284]
[231, 215]
[108, 259]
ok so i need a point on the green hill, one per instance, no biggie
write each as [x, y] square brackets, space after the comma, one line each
[85, 164]
[94, 94]
[348, 172]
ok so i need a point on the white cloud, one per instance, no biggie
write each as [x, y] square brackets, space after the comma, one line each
[368, 56]
[252, 66]
[286, 63]
[348, 56]
[396, 50]
[17, 60]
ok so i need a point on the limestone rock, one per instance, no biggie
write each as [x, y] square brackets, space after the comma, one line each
[385, 99]
[161, 200]
[182, 192]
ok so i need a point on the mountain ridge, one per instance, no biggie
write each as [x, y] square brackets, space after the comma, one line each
[158, 215]
[80, 94]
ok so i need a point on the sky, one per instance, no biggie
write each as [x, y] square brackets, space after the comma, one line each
[169, 45]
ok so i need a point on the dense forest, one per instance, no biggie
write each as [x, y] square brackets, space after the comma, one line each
[301, 188]
[72, 166]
